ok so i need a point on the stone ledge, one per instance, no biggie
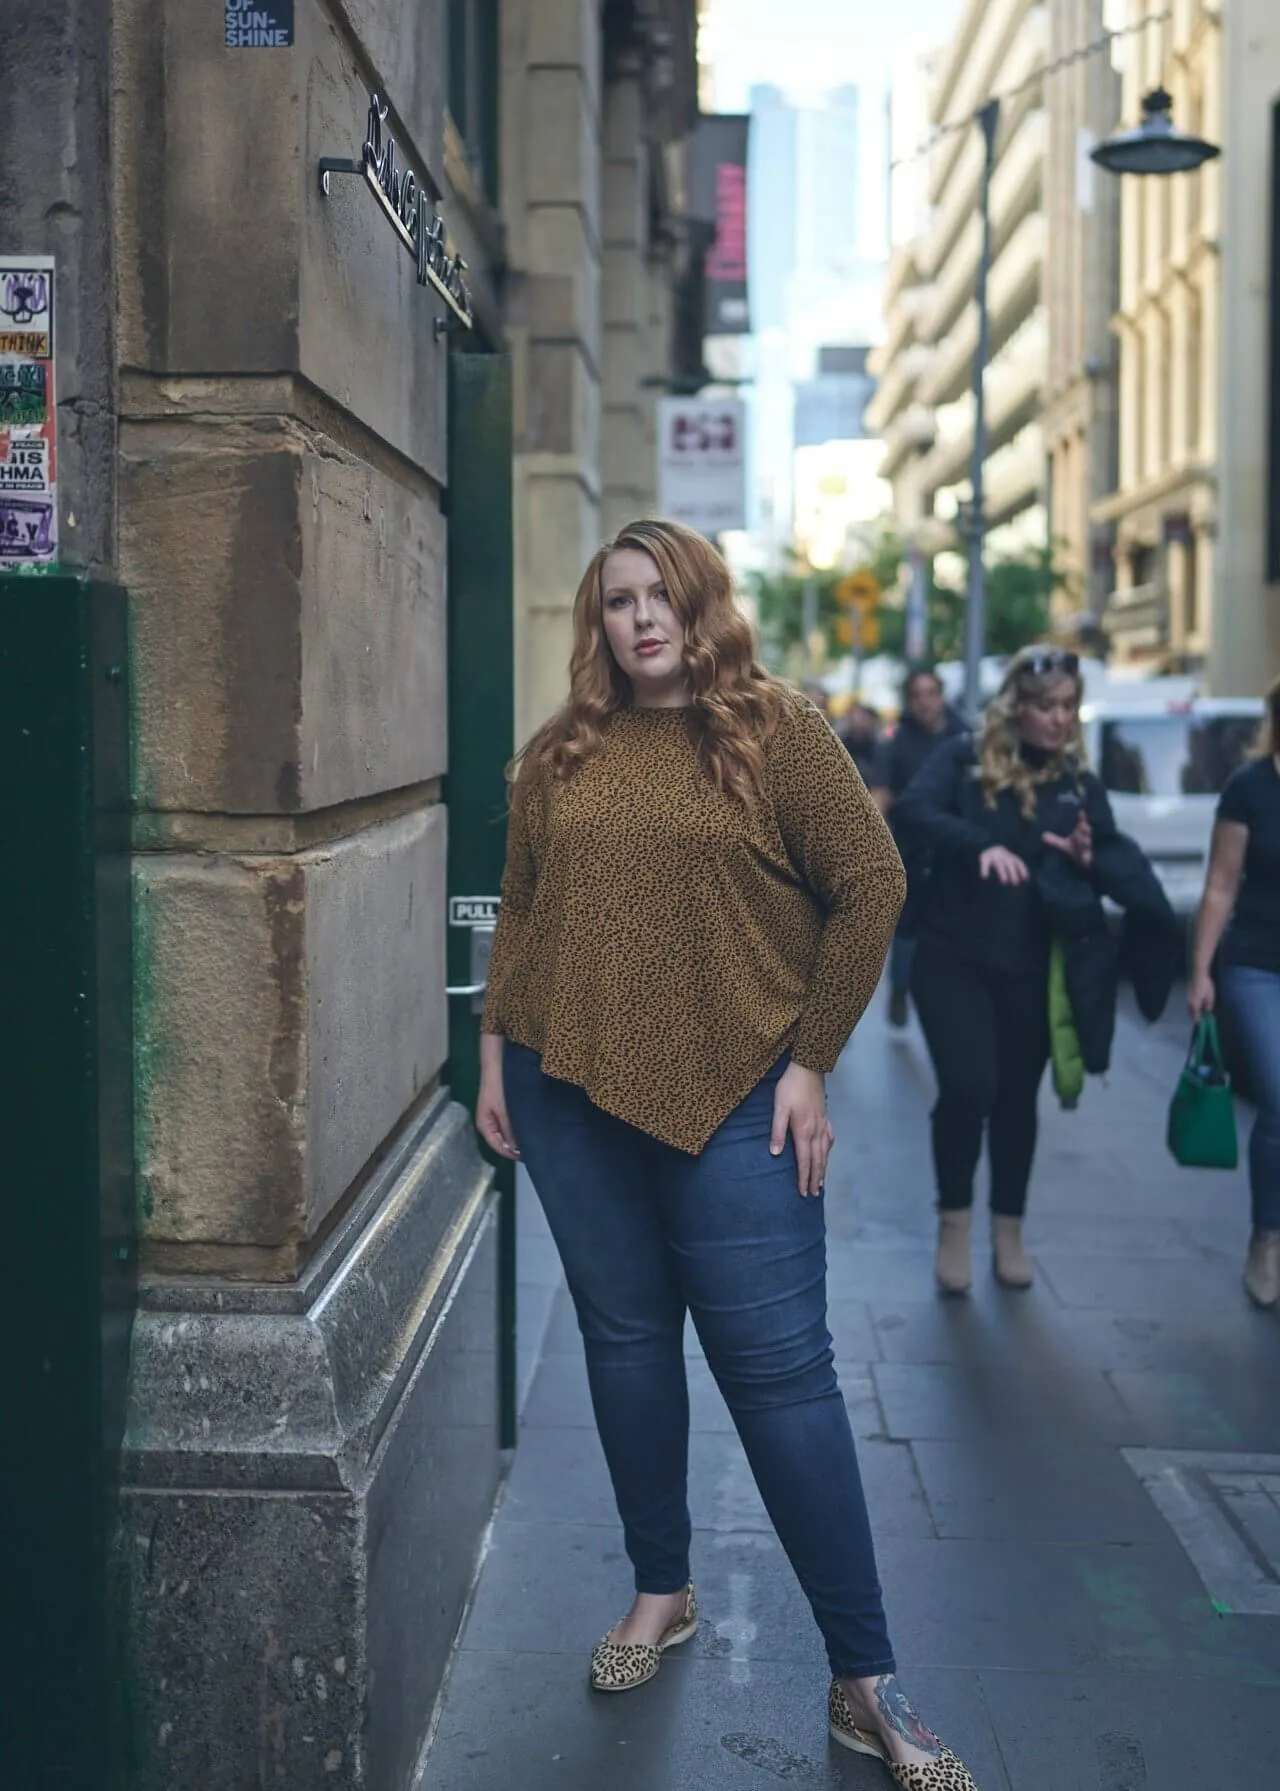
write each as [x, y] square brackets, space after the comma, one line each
[276, 836]
[259, 1386]
[296, 1633]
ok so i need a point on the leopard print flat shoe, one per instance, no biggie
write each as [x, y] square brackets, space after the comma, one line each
[946, 1773]
[621, 1666]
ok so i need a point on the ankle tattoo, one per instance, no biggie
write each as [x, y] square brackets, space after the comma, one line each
[899, 1714]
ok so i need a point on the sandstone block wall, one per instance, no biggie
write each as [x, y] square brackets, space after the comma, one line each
[282, 455]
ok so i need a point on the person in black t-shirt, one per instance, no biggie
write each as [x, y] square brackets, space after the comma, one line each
[1240, 912]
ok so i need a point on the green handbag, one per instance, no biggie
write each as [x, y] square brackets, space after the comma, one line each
[1064, 1041]
[1202, 1114]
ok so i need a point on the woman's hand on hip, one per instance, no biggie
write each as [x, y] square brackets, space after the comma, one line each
[1002, 864]
[492, 1120]
[800, 1107]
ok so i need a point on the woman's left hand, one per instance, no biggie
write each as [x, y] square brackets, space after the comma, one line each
[1078, 844]
[800, 1106]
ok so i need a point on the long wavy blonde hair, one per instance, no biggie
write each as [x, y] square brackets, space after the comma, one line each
[734, 704]
[1001, 763]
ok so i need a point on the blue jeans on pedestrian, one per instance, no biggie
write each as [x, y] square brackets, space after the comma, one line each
[1254, 999]
[648, 1233]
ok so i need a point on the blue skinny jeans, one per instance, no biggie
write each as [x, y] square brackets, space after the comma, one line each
[1254, 999]
[647, 1233]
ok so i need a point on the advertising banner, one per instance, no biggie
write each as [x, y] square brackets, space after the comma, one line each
[702, 463]
[28, 416]
[718, 197]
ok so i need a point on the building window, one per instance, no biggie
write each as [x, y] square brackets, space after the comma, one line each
[472, 27]
[1191, 588]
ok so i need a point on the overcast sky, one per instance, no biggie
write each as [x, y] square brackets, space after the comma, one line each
[809, 45]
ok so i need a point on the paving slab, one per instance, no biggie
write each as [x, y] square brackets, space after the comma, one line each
[990, 1395]
[1109, 1732]
[1051, 1490]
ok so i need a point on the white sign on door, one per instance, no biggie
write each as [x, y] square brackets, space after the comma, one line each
[702, 463]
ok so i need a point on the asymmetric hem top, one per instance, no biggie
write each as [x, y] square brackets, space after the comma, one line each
[661, 944]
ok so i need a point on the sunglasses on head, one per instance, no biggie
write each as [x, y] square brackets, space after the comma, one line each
[1044, 661]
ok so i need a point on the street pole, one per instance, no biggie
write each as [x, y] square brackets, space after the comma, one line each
[975, 627]
[809, 623]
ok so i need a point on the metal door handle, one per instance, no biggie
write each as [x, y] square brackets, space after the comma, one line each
[481, 947]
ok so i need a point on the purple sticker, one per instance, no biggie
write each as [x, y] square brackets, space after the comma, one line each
[24, 295]
[26, 528]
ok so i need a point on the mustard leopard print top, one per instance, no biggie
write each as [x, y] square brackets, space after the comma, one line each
[662, 945]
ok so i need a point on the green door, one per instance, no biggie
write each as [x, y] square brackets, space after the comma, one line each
[481, 727]
[66, 1184]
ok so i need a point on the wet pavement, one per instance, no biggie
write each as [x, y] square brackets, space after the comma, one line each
[1075, 1492]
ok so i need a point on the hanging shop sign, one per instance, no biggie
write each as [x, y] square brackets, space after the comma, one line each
[408, 209]
[718, 198]
[702, 463]
[28, 416]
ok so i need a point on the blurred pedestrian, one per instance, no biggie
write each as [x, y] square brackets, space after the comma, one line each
[1000, 817]
[926, 721]
[698, 899]
[858, 727]
[1240, 917]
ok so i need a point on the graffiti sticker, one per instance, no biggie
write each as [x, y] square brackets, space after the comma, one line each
[259, 24]
[28, 415]
[22, 393]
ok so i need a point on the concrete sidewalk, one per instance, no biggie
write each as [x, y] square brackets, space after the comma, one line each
[1075, 1494]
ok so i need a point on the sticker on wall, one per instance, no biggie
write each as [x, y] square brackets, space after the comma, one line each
[28, 416]
[259, 24]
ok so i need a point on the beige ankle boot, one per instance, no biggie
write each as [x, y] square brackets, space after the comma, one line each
[1262, 1268]
[1012, 1265]
[951, 1264]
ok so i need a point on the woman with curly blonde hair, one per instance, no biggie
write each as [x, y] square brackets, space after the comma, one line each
[988, 814]
[697, 903]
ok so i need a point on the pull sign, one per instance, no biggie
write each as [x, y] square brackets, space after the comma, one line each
[473, 911]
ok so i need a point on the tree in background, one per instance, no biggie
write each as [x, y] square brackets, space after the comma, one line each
[1020, 590]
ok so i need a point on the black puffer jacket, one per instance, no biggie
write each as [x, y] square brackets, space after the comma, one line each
[1008, 929]
[943, 812]
[1148, 951]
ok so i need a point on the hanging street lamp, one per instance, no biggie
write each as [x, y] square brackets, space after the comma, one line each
[1157, 146]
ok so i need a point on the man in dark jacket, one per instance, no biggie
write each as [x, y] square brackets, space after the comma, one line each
[926, 722]
[859, 729]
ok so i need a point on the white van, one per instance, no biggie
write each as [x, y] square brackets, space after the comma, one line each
[1163, 761]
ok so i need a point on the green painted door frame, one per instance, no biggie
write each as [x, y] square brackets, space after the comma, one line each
[66, 1189]
[481, 742]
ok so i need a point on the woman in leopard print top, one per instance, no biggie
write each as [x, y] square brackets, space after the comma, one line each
[698, 900]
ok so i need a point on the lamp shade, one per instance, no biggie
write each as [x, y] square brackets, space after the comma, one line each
[1157, 146]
